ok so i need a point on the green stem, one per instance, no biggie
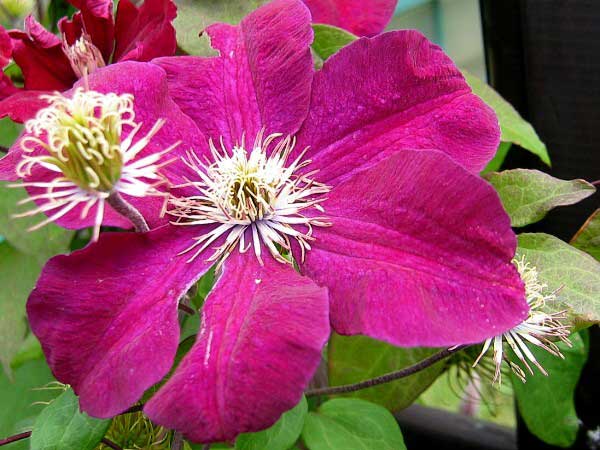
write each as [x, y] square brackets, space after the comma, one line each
[120, 205]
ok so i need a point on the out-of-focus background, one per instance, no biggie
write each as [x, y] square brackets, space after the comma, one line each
[548, 93]
[455, 25]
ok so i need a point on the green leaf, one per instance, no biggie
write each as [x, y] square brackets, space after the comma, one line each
[527, 195]
[56, 10]
[30, 350]
[496, 163]
[184, 347]
[61, 426]
[22, 255]
[43, 243]
[195, 15]
[280, 436]
[547, 403]
[573, 273]
[329, 39]
[22, 399]
[190, 326]
[203, 288]
[18, 273]
[587, 238]
[9, 131]
[351, 424]
[514, 128]
[357, 358]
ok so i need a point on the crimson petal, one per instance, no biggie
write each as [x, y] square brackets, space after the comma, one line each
[394, 91]
[419, 254]
[106, 316]
[263, 329]
[361, 17]
[261, 79]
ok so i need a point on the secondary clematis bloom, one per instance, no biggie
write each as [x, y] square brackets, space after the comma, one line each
[90, 40]
[105, 138]
[540, 328]
[361, 17]
[364, 172]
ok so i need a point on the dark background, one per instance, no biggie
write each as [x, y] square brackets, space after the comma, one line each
[543, 56]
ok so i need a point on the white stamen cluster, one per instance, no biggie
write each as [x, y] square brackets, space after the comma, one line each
[540, 328]
[83, 56]
[252, 198]
[80, 139]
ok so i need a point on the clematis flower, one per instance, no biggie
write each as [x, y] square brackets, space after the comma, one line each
[540, 328]
[90, 40]
[93, 144]
[364, 174]
[363, 18]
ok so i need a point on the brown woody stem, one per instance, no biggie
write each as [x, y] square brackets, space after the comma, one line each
[111, 444]
[407, 371]
[15, 438]
[187, 309]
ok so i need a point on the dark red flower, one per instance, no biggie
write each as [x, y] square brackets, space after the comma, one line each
[92, 38]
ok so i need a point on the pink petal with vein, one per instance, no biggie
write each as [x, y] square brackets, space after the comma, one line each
[395, 91]
[419, 254]
[261, 337]
[261, 79]
[106, 316]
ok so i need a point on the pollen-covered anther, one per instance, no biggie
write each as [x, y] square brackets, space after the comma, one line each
[81, 140]
[253, 198]
[83, 56]
[541, 328]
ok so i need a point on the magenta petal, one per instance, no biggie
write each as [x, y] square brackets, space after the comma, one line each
[396, 91]
[106, 316]
[40, 56]
[152, 100]
[145, 33]
[419, 254]
[361, 17]
[22, 105]
[262, 333]
[261, 79]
